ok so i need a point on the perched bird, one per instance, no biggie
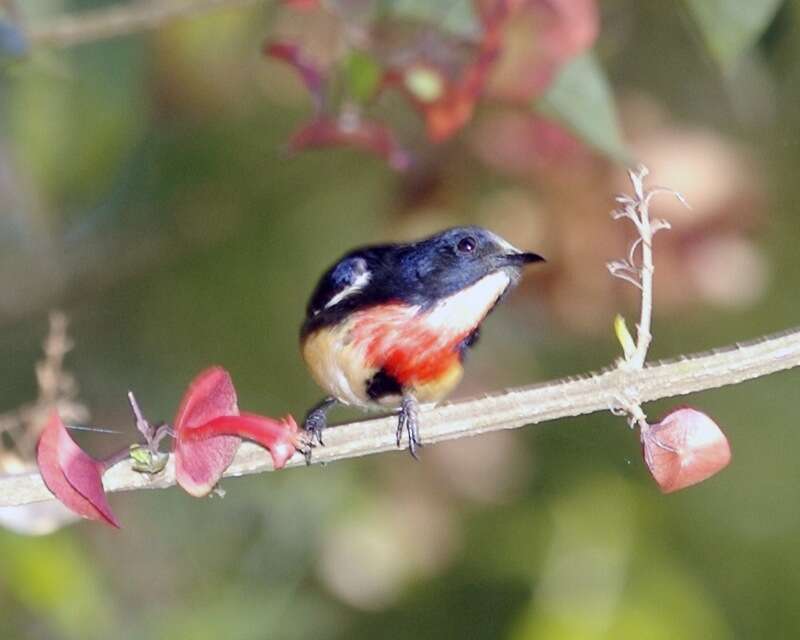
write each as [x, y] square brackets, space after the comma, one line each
[389, 325]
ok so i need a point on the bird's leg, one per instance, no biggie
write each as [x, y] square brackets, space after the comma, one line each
[408, 421]
[401, 426]
[315, 421]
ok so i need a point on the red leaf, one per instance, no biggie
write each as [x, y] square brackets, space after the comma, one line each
[302, 5]
[448, 108]
[199, 464]
[351, 131]
[541, 36]
[280, 437]
[569, 27]
[312, 77]
[685, 448]
[74, 477]
[448, 115]
[445, 104]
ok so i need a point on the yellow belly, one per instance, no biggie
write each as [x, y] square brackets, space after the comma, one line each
[438, 389]
[338, 365]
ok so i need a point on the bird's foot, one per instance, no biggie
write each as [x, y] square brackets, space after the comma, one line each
[315, 422]
[408, 422]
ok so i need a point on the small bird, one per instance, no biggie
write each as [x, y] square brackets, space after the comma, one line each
[389, 325]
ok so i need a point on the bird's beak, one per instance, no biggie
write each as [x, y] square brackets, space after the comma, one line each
[519, 259]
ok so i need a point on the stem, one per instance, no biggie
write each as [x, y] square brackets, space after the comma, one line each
[162, 431]
[116, 458]
[643, 334]
[637, 210]
[509, 410]
[122, 19]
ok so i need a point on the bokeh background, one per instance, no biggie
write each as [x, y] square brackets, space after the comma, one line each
[147, 191]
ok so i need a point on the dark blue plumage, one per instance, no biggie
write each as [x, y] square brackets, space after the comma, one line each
[417, 274]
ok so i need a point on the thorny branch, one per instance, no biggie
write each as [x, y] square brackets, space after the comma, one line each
[122, 19]
[624, 387]
[509, 410]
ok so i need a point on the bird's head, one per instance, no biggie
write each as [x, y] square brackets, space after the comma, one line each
[457, 258]
[421, 274]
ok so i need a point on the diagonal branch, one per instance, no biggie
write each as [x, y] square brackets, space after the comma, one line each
[509, 410]
[122, 19]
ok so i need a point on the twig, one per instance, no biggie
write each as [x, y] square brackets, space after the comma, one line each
[122, 19]
[637, 210]
[512, 409]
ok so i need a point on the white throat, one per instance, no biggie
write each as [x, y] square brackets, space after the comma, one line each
[464, 310]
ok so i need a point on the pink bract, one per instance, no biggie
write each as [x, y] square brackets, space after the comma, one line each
[685, 448]
[74, 477]
[199, 464]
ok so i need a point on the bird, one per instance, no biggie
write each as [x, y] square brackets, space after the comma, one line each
[389, 326]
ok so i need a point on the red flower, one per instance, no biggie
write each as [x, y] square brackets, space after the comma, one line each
[71, 474]
[199, 464]
[685, 448]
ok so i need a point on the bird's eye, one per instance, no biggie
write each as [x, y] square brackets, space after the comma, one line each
[467, 245]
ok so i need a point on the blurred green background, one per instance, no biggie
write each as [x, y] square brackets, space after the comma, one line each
[145, 190]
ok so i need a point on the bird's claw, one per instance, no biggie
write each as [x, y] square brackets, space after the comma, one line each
[314, 425]
[408, 422]
[306, 449]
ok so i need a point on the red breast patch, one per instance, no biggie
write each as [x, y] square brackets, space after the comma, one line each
[399, 341]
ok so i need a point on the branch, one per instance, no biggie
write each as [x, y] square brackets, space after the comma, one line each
[509, 410]
[122, 19]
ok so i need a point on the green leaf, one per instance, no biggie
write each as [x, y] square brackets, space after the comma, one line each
[457, 17]
[730, 27]
[624, 336]
[363, 74]
[581, 99]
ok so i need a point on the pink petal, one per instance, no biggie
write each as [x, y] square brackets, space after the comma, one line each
[685, 448]
[199, 464]
[74, 477]
[366, 135]
[280, 437]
